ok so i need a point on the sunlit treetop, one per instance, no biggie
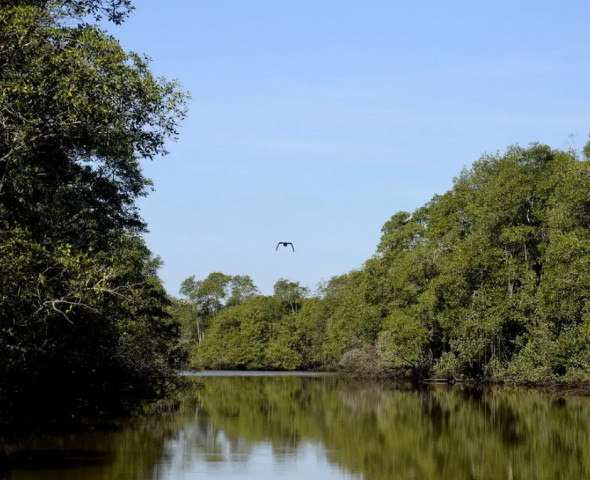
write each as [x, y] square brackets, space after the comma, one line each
[115, 11]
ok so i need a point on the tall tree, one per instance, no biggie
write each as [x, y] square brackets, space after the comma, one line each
[242, 288]
[77, 115]
[205, 298]
[289, 293]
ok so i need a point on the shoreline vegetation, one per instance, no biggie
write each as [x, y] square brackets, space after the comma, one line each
[488, 282]
[556, 386]
[578, 389]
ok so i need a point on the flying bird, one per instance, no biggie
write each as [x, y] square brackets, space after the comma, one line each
[284, 244]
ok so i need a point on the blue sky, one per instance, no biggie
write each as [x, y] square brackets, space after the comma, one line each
[314, 121]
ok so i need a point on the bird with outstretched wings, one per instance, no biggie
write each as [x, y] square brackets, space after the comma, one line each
[284, 244]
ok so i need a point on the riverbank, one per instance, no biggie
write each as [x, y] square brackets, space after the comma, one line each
[549, 386]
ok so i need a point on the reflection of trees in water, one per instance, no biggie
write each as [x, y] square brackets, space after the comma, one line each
[114, 450]
[200, 442]
[368, 429]
[383, 432]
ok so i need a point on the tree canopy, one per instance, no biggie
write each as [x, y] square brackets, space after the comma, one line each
[81, 302]
[487, 281]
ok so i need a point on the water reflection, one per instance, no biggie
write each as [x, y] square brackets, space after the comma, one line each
[324, 428]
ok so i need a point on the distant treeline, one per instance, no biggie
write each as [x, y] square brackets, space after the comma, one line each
[489, 281]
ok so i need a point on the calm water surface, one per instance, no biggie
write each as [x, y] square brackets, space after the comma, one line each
[322, 427]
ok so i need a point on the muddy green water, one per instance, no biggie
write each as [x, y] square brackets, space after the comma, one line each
[305, 428]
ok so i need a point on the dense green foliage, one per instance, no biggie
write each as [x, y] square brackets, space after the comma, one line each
[489, 281]
[248, 330]
[82, 312]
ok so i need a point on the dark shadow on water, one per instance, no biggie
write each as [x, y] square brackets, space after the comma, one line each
[56, 459]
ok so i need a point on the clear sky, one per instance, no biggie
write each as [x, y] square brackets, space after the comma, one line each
[313, 121]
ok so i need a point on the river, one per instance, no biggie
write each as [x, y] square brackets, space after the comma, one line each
[307, 427]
